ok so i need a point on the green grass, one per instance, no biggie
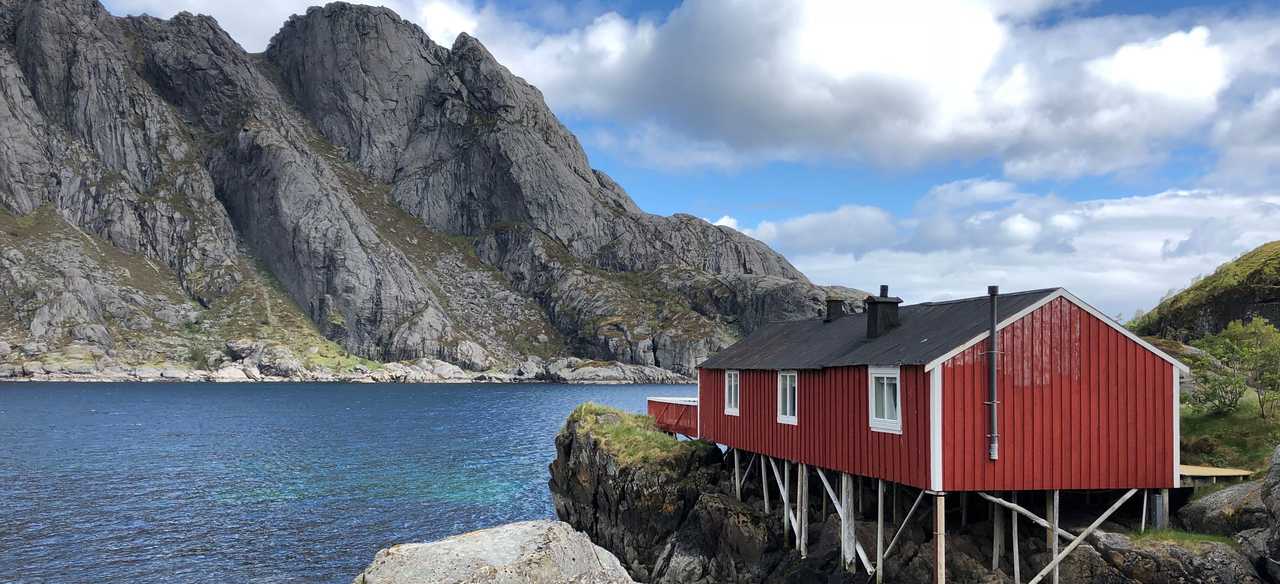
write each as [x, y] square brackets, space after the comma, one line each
[1183, 538]
[632, 439]
[1259, 268]
[1240, 439]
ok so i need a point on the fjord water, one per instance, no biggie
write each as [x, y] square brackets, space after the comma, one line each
[266, 483]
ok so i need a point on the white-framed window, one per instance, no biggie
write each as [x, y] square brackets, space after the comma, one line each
[787, 397]
[731, 394]
[884, 399]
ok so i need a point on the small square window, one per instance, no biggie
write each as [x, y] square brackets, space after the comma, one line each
[884, 396]
[731, 393]
[787, 397]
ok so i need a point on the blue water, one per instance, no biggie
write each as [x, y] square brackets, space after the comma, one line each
[266, 483]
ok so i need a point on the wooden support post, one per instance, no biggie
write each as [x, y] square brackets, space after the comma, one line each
[1049, 539]
[802, 501]
[964, 509]
[879, 531]
[848, 526]
[737, 476]
[786, 500]
[764, 481]
[940, 539]
[1164, 508]
[1053, 534]
[1142, 525]
[1017, 566]
[1062, 533]
[997, 535]
[1057, 559]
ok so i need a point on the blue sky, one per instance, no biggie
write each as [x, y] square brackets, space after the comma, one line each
[1117, 148]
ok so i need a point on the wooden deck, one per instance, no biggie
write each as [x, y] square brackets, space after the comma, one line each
[1195, 476]
[677, 415]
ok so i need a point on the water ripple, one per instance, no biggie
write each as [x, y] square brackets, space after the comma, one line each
[277, 484]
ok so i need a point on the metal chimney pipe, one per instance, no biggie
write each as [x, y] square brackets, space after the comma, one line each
[993, 364]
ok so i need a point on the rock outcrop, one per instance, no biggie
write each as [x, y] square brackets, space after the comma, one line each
[407, 200]
[1230, 511]
[533, 552]
[673, 518]
[1240, 289]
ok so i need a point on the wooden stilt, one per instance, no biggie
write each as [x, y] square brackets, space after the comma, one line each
[1164, 508]
[737, 476]
[848, 525]
[764, 481]
[1053, 534]
[1017, 566]
[802, 501]
[940, 539]
[879, 531]
[1062, 533]
[1142, 525]
[997, 535]
[964, 509]
[1049, 539]
[1057, 559]
[786, 500]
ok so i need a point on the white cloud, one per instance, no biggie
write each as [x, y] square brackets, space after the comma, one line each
[1181, 67]
[720, 85]
[1122, 254]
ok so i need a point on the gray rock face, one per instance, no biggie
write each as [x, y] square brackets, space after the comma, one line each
[533, 552]
[1227, 512]
[414, 201]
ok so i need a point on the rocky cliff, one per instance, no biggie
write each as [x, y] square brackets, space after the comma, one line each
[666, 509]
[162, 191]
[1243, 288]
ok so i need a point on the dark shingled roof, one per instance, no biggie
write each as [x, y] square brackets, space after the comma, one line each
[926, 331]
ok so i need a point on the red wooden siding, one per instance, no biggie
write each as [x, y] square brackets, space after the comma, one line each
[1082, 407]
[833, 429]
[678, 418]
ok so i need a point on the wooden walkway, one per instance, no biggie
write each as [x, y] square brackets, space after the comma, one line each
[1195, 476]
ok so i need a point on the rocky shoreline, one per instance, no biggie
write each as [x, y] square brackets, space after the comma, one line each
[253, 362]
[671, 517]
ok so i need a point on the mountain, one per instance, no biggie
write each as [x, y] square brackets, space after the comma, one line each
[356, 188]
[1246, 287]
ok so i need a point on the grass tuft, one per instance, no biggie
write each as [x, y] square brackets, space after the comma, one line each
[633, 439]
[1183, 538]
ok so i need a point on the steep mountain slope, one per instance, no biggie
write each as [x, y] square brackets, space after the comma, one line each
[412, 200]
[1246, 287]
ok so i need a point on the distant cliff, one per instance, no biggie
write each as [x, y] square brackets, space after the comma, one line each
[357, 187]
[1240, 289]
[666, 509]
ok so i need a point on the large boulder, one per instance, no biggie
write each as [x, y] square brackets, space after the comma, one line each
[1227, 512]
[533, 552]
[1156, 562]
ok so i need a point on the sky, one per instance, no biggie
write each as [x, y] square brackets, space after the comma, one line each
[1119, 149]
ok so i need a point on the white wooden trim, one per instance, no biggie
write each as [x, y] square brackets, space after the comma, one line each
[697, 371]
[1177, 427]
[737, 382]
[1059, 293]
[881, 424]
[789, 420]
[935, 429]
[679, 401]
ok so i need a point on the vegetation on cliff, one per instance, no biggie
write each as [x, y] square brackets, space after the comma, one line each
[1246, 286]
[631, 439]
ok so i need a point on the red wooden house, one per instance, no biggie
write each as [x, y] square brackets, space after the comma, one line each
[910, 394]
